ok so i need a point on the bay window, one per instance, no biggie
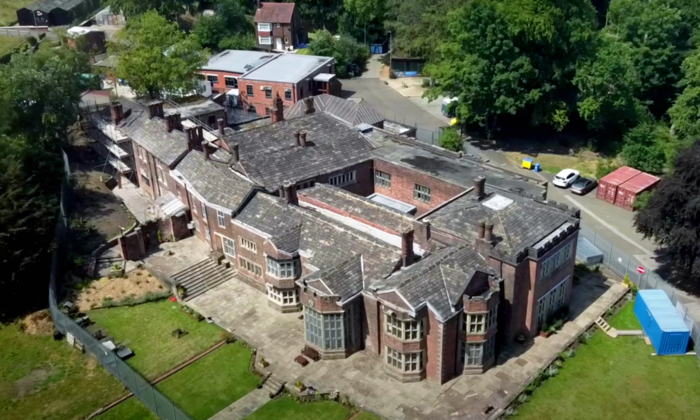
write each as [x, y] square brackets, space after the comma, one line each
[282, 296]
[404, 362]
[283, 269]
[325, 331]
[405, 330]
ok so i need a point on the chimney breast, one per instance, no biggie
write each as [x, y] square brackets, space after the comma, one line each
[407, 248]
[479, 187]
[290, 193]
[222, 127]
[234, 153]
[155, 109]
[309, 106]
[277, 110]
[488, 235]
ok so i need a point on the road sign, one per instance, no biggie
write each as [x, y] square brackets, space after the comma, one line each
[641, 270]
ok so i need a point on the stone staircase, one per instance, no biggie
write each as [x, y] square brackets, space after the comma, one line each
[203, 276]
[273, 386]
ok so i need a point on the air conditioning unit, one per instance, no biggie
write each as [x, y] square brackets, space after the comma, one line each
[190, 226]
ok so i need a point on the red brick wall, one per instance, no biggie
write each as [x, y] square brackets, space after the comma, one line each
[433, 339]
[403, 181]
[258, 99]
[372, 325]
[220, 85]
[149, 165]
[449, 349]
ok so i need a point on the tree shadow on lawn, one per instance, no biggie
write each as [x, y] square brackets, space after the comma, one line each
[675, 276]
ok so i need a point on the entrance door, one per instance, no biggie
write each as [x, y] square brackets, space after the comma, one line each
[278, 44]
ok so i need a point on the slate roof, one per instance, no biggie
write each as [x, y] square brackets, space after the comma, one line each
[151, 134]
[269, 154]
[351, 112]
[275, 13]
[213, 179]
[288, 68]
[236, 61]
[344, 280]
[445, 165]
[326, 243]
[518, 226]
[359, 207]
[438, 280]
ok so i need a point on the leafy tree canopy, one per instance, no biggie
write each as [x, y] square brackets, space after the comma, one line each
[170, 9]
[672, 215]
[450, 139]
[228, 28]
[649, 147]
[685, 112]
[348, 53]
[155, 57]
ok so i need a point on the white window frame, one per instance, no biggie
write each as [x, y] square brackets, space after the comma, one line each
[204, 212]
[413, 362]
[248, 244]
[265, 40]
[283, 269]
[249, 266]
[214, 76]
[475, 323]
[409, 330]
[235, 82]
[341, 180]
[221, 218]
[474, 353]
[232, 245]
[284, 297]
[421, 193]
[382, 179]
[264, 27]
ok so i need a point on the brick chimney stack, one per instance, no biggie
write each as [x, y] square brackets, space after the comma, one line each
[480, 188]
[221, 126]
[277, 110]
[302, 139]
[205, 149]
[155, 109]
[117, 112]
[297, 135]
[488, 234]
[481, 231]
[407, 248]
[235, 157]
[309, 106]
[290, 193]
[174, 122]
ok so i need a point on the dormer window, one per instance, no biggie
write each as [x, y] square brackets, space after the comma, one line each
[283, 269]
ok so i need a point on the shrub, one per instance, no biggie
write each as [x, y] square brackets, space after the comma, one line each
[604, 167]
[450, 139]
[642, 200]
[350, 56]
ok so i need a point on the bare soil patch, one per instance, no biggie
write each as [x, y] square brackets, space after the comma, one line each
[30, 383]
[38, 323]
[138, 283]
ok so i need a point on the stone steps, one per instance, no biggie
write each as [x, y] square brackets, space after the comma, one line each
[202, 277]
[273, 385]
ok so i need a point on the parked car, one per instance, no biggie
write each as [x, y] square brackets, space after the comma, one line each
[583, 185]
[565, 178]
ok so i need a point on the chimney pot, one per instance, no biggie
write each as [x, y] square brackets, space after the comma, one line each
[479, 187]
[221, 126]
[302, 140]
[290, 193]
[407, 248]
[235, 157]
[488, 235]
[481, 230]
[205, 149]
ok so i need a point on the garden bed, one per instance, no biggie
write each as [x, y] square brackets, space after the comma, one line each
[138, 285]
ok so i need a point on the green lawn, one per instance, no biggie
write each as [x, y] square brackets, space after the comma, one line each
[131, 409]
[45, 379]
[146, 329]
[619, 379]
[288, 409]
[212, 383]
[8, 10]
[6, 41]
[367, 416]
[303, 51]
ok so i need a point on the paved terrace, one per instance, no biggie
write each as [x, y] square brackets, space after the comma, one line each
[279, 338]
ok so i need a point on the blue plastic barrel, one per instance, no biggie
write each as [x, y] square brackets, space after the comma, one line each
[537, 167]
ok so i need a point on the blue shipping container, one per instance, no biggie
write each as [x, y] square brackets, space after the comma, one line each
[661, 322]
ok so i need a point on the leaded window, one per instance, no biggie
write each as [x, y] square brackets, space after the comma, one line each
[474, 353]
[283, 269]
[326, 331]
[475, 323]
[405, 330]
[221, 218]
[249, 245]
[229, 246]
[282, 296]
[404, 362]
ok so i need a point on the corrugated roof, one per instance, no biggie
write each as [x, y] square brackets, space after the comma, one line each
[621, 175]
[640, 182]
[275, 13]
[662, 310]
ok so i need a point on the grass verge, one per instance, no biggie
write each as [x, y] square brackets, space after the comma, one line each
[131, 409]
[554, 163]
[147, 328]
[618, 379]
[8, 10]
[288, 409]
[45, 379]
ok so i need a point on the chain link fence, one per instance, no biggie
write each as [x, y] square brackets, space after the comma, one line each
[625, 265]
[79, 337]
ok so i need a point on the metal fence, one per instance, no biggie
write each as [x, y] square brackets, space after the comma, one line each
[76, 335]
[625, 265]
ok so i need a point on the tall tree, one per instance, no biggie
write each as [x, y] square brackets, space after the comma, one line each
[156, 58]
[348, 53]
[672, 215]
[364, 12]
[228, 28]
[685, 112]
[608, 82]
[323, 14]
[170, 9]
[660, 37]
[649, 147]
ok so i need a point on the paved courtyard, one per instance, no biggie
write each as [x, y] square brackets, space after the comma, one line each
[279, 338]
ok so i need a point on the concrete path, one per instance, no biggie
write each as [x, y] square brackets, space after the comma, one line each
[136, 200]
[243, 407]
[374, 65]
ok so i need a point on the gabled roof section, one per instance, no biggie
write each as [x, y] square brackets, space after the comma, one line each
[213, 179]
[519, 222]
[288, 241]
[352, 113]
[269, 155]
[275, 13]
[344, 280]
[438, 280]
[324, 242]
